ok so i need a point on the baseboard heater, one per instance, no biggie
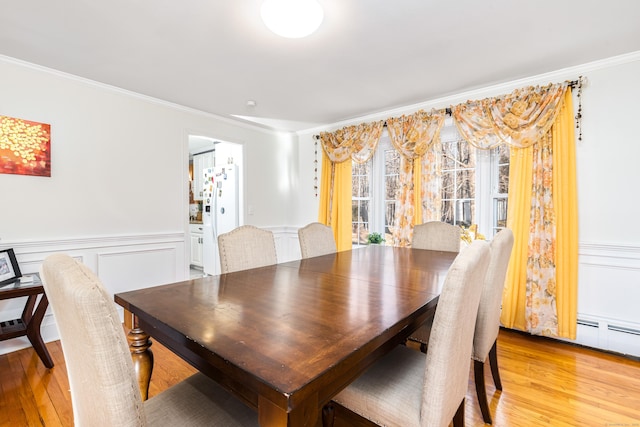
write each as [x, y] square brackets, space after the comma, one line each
[614, 328]
[623, 330]
[588, 323]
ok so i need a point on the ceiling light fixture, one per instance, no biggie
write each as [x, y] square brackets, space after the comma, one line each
[292, 18]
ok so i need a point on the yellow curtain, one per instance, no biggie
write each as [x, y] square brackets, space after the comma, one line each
[541, 288]
[518, 216]
[412, 136]
[339, 148]
[565, 200]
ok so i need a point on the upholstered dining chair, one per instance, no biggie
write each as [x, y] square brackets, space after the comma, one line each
[316, 239]
[246, 247]
[485, 338]
[408, 388]
[437, 236]
[104, 387]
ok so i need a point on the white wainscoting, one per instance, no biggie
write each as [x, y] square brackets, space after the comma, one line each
[122, 262]
[608, 298]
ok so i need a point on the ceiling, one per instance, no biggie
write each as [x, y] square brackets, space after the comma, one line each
[368, 56]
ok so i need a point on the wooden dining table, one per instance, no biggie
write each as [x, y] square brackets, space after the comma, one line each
[287, 338]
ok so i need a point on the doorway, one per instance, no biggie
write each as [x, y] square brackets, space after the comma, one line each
[207, 152]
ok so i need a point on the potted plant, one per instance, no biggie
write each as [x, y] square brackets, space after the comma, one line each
[375, 238]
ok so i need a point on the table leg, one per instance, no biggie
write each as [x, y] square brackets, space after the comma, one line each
[33, 322]
[142, 356]
[305, 414]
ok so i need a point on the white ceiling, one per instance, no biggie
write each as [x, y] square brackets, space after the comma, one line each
[367, 56]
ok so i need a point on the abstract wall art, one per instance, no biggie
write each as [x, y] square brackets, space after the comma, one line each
[25, 147]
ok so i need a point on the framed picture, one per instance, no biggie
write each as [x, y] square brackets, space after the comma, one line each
[9, 270]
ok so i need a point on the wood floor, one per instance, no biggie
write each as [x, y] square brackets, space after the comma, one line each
[545, 383]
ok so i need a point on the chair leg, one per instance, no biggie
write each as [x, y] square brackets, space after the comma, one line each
[458, 418]
[493, 361]
[481, 392]
[328, 415]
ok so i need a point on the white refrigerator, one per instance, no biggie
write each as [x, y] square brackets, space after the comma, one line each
[219, 211]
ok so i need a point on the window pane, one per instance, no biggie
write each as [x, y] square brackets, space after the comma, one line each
[391, 187]
[390, 215]
[448, 189]
[465, 184]
[392, 162]
[360, 179]
[447, 211]
[467, 154]
[503, 153]
[500, 212]
[449, 153]
[465, 212]
[503, 179]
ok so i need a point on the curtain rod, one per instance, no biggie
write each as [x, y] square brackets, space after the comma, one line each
[447, 111]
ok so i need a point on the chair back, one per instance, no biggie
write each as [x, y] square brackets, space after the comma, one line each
[449, 350]
[488, 321]
[316, 239]
[246, 247]
[104, 389]
[437, 236]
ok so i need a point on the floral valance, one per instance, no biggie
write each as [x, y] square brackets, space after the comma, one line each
[357, 143]
[519, 119]
[413, 135]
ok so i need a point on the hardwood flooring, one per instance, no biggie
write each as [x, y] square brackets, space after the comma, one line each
[545, 383]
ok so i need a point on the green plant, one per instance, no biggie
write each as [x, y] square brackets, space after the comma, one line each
[375, 238]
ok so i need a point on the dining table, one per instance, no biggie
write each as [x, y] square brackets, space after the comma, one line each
[286, 338]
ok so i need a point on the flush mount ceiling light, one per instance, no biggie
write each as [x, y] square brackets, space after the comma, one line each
[292, 18]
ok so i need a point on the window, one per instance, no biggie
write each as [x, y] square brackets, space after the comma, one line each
[375, 185]
[475, 185]
[458, 182]
[360, 200]
[500, 186]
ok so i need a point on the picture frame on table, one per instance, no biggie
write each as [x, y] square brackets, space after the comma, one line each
[9, 269]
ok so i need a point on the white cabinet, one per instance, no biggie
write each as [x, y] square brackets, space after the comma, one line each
[196, 245]
[200, 162]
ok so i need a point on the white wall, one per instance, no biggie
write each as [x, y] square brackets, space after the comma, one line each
[608, 174]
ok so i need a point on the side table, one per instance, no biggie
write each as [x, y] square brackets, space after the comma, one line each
[29, 323]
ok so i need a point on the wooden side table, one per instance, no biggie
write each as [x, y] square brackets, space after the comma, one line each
[29, 323]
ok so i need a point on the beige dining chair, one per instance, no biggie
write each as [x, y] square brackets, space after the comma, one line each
[485, 338]
[104, 387]
[246, 247]
[408, 388]
[437, 236]
[316, 239]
